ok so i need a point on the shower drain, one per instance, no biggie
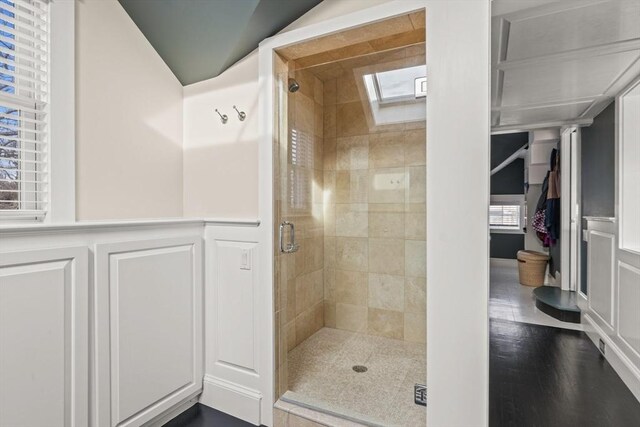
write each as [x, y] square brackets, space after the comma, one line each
[360, 368]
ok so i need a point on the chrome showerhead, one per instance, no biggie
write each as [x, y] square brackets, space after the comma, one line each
[293, 86]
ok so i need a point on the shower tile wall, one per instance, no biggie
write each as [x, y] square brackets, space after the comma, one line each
[374, 219]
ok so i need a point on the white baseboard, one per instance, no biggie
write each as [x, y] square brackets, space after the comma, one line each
[629, 373]
[233, 399]
[173, 412]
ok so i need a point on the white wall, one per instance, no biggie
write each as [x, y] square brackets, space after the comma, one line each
[217, 155]
[128, 120]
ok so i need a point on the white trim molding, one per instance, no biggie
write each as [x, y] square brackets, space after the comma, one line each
[62, 141]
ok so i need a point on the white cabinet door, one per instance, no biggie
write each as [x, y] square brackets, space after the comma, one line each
[148, 328]
[44, 350]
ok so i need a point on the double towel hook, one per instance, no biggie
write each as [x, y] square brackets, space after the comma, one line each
[224, 118]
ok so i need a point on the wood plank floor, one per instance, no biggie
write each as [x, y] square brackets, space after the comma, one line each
[548, 377]
[203, 416]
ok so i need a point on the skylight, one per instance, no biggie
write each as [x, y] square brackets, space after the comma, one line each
[396, 96]
[398, 85]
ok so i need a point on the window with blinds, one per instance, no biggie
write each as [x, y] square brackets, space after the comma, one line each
[504, 216]
[24, 65]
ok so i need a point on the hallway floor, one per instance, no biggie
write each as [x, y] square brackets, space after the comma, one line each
[509, 300]
[321, 376]
[543, 376]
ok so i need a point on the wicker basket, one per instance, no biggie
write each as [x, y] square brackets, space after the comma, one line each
[532, 266]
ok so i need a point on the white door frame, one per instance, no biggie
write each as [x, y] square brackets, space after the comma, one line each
[458, 116]
[565, 208]
[570, 223]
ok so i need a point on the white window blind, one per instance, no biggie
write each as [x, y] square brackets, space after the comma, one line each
[24, 88]
[507, 216]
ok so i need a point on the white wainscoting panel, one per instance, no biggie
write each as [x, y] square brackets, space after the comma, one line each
[600, 271]
[613, 310]
[629, 309]
[233, 372]
[44, 351]
[149, 337]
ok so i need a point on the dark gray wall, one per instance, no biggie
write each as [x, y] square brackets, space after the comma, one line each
[598, 174]
[509, 180]
[598, 165]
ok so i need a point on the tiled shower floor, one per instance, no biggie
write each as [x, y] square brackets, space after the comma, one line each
[321, 376]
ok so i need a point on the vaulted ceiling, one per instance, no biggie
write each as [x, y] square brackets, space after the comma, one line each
[199, 39]
[560, 62]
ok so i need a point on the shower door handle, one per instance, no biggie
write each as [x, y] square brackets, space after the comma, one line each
[291, 246]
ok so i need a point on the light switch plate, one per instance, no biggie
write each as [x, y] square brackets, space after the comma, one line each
[245, 259]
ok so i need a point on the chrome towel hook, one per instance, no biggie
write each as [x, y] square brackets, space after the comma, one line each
[241, 114]
[223, 117]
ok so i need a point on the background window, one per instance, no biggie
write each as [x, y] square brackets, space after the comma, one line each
[506, 213]
[24, 56]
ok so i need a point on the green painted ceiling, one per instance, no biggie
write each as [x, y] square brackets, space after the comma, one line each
[199, 39]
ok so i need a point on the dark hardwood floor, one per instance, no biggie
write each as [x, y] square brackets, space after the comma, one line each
[551, 377]
[203, 416]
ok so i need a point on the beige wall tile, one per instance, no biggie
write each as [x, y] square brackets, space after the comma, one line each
[351, 317]
[329, 154]
[398, 40]
[290, 309]
[329, 314]
[304, 114]
[386, 323]
[386, 292]
[387, 256]
[297, 421]
[386, 225]
[352, 186]
[415, 295]
[350, 120]
[329, 121]
[387, 185]
[329, 252]
[318, 121]
[329, 92]
[386, 150]
[314, 254]
[318, 91]
[415, 226]
[329, 284]
[352, 253]
[329, 217]
[280, 418]
[418, 19]
[415, 258]
[351, 51]
[304, 290]
[351, 287]
[417, 186]
[352, 153]
[387, 207]
[352, 220]
[415, 327]
[291, 335]
[347, 89]
[415, 147]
